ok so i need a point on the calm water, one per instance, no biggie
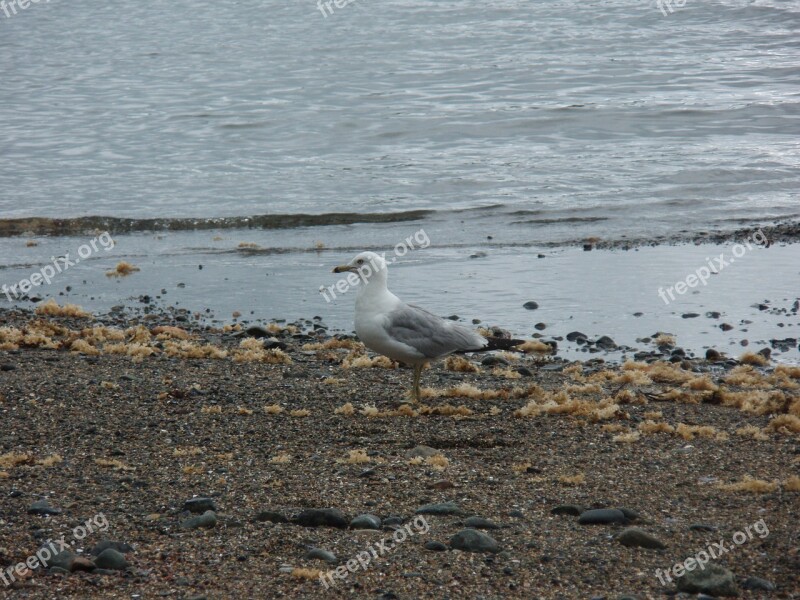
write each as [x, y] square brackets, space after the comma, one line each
[530, 121]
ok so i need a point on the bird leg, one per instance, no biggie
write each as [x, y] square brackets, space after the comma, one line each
[417, 374]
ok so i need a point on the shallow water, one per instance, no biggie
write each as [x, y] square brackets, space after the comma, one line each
[572, 118]
[595, 292]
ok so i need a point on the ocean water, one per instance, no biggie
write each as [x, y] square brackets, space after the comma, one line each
[506, 128]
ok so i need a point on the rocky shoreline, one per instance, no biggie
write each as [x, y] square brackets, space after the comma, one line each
[266, 460]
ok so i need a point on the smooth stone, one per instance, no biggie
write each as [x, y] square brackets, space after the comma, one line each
[365, 522]
[271, 516]
[434, 546]
[493, 361]
[320, 554]
[111, 559]
[701, 527]
[601, 516]
[208, 519]
[631, 515]
[634, 537]
[42, 507]
[690, 315]
[567, 509]
[480, 523]
[322, 517]
[444, 508]
[472, 540]
[530, 305]
[713, 580]
[574, 335]
[712, 354]
[422, 452]
[606, 343]
[199, 505]
[62, 560]
[104, 544]
[393, 521]
[540, 326]
[81, 563]
[758, 584]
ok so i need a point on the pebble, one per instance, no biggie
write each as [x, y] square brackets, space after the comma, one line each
[540, 326]
[574, 335]
[434, 546]
[42, 507]
[713, 580]
[701, 527]
[422, 452]
[606, 343]
[271, 516]
[444, 508]
[567, 509]
[472, 540]
[62, 560]
[393, 521]
[690, 315]
[713, 355]
[530, 305]
[81, 563]
[631, 515]
[320, 554]
[199, 505]
[493, 361]
[480, 523]
[634, 537]
[325, 517]
[758, 584]
[365, 522]
[601, 516]
[112, 560]
[208, 519]
[105, 544]
[725, 327]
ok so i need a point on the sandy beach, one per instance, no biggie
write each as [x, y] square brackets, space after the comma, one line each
[143, 425]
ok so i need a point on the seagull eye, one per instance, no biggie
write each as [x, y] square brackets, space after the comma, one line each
[360, 261]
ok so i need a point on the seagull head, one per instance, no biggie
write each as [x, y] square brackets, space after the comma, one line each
[366, 265]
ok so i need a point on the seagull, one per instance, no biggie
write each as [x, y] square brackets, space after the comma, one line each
[405, 332]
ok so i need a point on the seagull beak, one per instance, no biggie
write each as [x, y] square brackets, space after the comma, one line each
[344, 269]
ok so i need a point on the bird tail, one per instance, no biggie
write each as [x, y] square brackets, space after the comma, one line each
[496, 343]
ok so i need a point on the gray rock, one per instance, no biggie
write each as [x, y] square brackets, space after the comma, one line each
[634, 537]
[322, 517]
[472, 540]
[42, 507]
[702, 527]
[320, 554]
[199, 505]
[631, 515]
[480, 523]
[713, 580]
[434, 546]
[493, 361]
[271, 516]
[62, 560]
[207, 520]
[606, 343]
[112, 560]
[444, 508]
[365, 522]
[567, 509]
[104, 544]
[601, 516]
[422, 452]
[530, 305]
[758, 584]
[393, 521]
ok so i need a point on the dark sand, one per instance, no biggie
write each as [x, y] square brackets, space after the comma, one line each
[138, 438]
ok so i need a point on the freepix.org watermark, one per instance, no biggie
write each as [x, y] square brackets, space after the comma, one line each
[713, 266]
[9, 7]
[46, 553]
[60, 264]
[379, 548]
[418, 240]
[713, 551]
[666, 6]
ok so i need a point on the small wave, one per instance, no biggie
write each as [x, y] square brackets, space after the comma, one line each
[79, 225]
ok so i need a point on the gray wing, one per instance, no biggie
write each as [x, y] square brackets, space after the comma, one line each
[430, 334]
